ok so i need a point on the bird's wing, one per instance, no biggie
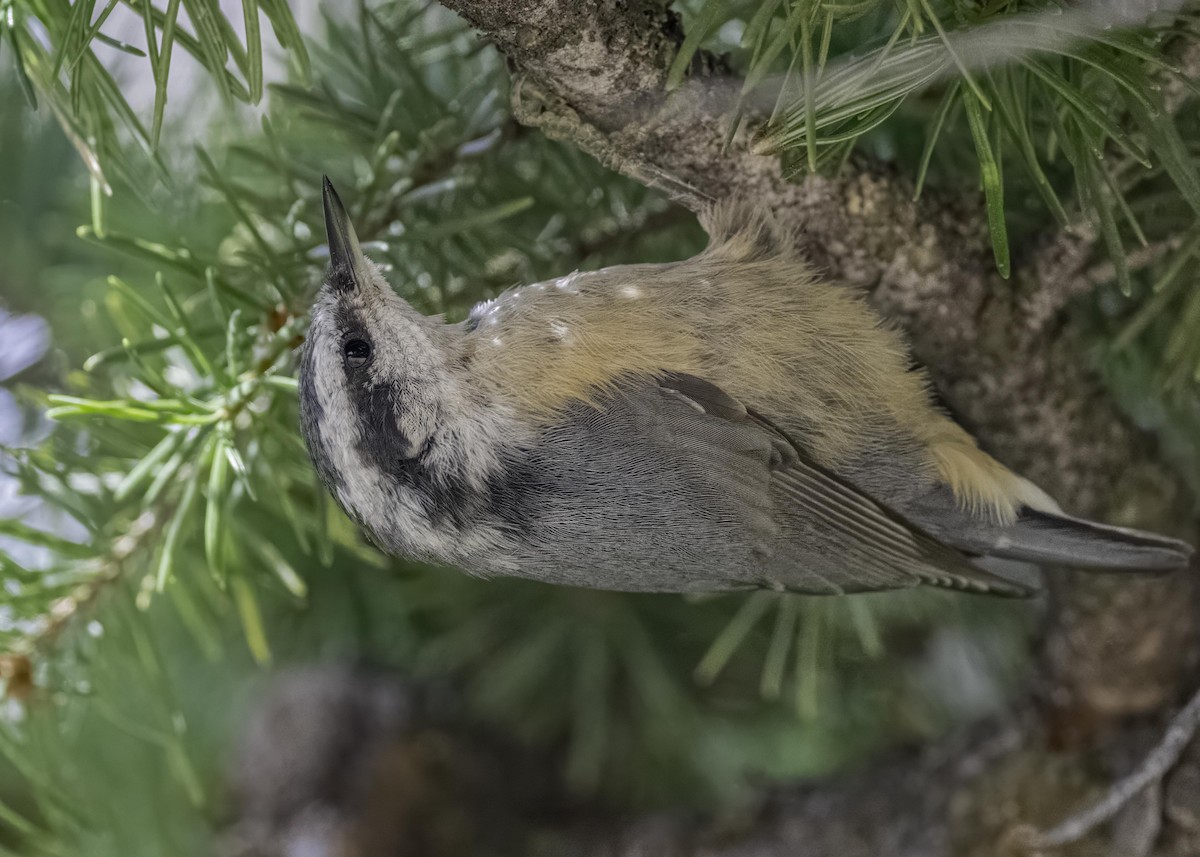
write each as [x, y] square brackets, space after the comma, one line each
[880, 549]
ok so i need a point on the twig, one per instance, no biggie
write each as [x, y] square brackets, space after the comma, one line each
[1179, 734]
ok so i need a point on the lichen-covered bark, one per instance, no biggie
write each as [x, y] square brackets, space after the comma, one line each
[592, 73]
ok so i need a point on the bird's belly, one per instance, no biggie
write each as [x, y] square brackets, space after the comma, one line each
[603, 509]
[648, 532]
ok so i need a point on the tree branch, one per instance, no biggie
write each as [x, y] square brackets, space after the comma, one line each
[593, 74]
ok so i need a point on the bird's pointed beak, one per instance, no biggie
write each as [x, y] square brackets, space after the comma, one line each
[345, 255]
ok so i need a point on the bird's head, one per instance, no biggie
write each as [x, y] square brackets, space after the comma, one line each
[392, 422]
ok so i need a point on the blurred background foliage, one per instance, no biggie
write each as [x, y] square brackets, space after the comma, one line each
[164, 544]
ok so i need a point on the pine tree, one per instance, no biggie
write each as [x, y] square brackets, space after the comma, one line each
[1032, 222]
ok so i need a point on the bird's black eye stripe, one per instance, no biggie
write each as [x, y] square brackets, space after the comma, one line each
[357, 352]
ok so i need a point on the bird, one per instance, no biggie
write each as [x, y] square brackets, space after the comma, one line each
[726, 422]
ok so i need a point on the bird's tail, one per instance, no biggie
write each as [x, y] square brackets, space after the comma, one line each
[1060, 539]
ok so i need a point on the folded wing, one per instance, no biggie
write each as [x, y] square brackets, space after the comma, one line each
[830, 535]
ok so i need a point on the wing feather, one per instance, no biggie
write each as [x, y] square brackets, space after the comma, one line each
[882, 549]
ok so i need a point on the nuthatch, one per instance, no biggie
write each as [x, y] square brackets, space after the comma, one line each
[725, 422]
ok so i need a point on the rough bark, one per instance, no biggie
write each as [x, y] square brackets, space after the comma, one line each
[1005, 358]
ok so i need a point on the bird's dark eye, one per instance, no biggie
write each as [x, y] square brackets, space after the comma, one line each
[357, 353]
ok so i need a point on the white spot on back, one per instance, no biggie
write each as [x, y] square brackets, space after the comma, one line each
[567, 284]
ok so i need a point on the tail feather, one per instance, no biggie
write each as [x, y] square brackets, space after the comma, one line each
[1056, 538]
